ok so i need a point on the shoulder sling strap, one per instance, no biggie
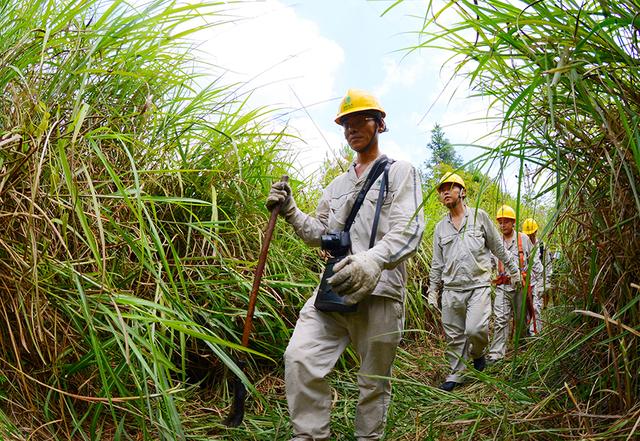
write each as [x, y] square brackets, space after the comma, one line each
[382, 166]
[376, 171]
[384, 189]
[520, 252]
[520, 255]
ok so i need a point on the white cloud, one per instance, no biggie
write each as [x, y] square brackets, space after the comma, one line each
[316, 144]
[272, 47]
[283, 61]
[400, 73]
[401, 151]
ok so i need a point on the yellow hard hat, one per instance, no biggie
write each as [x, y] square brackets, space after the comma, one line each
[453, 178]
[506, 212]
[356, 101]
[529, 226]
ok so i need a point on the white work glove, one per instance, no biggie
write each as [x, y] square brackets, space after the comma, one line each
[432, 298]
[355, 277]
[281, 194]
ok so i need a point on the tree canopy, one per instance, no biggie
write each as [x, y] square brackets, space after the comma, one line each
[442, 151]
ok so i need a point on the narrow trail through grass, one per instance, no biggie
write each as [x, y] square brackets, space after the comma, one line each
[132, 196]
[523, 397]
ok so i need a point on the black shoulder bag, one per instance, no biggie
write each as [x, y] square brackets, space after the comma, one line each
[338, 244]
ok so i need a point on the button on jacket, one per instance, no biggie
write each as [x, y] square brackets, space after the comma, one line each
[462, 258]
[400, 225]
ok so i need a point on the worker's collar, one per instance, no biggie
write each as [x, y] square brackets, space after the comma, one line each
[352, 170]
[511, 239]
[465, 217]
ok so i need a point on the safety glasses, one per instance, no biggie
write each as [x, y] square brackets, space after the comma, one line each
[355, 121]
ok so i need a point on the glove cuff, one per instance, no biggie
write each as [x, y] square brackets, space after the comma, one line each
[374, 258]
[289, 209]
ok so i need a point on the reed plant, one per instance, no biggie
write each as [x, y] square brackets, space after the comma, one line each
[131, 219]
[132, 190]
[562, 77]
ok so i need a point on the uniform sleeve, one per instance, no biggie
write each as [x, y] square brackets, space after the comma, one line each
[547, 268]
[496, 245]
[406, 218]
[536, 265]
[311, 228]
[437, 263]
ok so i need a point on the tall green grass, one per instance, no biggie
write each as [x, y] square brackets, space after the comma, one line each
[132, 213]
[563, 77]
[131, 219]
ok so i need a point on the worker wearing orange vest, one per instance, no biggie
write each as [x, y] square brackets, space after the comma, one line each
[463, 243]
[508, 299]
[543, 280]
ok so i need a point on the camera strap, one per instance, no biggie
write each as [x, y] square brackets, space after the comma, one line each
[384, 189]
[381, 166]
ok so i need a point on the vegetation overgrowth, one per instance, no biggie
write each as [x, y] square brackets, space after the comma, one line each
[562, 77]
[132, 213]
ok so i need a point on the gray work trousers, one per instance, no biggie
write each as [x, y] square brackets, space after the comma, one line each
[537, 306]
[505, 302]
[318, 340]
[465, 318]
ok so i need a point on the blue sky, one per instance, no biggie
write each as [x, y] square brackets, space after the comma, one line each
[312, 51]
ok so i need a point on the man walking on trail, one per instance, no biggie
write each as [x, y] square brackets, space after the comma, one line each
[376, 238]
[462, 245]
[509, 301]
[543, 281]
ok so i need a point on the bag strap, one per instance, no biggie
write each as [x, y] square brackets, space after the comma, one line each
[376, 171]
[520, 255]
[384, 189]
[520, 252]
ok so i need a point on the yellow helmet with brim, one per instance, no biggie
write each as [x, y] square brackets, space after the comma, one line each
[506, 212]
[357, 100]
[529, 226]
[454, 178]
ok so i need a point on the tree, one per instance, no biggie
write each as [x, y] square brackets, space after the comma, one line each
[442, 152]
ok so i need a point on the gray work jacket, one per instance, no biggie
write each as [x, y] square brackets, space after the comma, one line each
[399, 229]
[462, 257]
[547, 269]
[512, 248]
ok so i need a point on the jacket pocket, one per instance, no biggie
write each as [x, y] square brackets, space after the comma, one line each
[339, 210]
[475, 241]
[446, 240]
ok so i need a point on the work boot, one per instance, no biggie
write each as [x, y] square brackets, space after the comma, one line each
[479, 363]
[448, 386]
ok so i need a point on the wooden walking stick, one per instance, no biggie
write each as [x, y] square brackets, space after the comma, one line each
[239, 390]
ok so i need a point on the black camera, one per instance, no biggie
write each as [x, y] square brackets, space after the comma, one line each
[337, 244]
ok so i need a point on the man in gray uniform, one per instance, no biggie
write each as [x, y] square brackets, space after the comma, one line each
[543, 281]
[510, 302]
[462, 245]
[374, 278]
